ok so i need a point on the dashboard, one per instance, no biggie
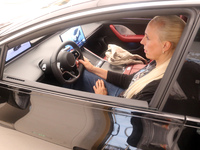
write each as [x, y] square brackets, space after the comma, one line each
[23, 62]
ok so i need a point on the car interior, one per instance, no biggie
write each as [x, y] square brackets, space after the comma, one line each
[92, 39]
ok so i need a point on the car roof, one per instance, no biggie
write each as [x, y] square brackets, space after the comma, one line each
[45, 14]
[89, 5]
[84, 5]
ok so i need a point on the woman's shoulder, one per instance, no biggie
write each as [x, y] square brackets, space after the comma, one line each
[148, 91]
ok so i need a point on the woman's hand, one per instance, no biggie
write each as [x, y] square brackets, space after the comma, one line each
[86, 63]
[93, 69]
[100, 88]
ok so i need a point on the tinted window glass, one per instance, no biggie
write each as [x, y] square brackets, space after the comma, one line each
[185, 94]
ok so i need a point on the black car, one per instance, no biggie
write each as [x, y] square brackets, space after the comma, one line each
[38, 112]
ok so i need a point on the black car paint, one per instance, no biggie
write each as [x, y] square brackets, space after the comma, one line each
[150, 123]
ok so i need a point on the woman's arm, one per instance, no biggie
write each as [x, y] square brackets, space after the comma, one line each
[98, 71]
[118, 79]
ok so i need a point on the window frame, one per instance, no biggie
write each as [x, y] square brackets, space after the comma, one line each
[178, 60]
[106, 100]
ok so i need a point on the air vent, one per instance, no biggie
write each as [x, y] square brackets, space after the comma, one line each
[15, 79]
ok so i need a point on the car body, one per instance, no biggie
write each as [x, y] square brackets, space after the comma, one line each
[37, 112]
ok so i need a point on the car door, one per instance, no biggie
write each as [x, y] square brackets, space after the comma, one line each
[80, 120]
[184, 94]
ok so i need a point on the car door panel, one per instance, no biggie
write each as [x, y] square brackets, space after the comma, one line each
[21, 141]
[98, 42]
[190, 135]
[137, 129]
[60, 121]
[73, 123]
[126, 38]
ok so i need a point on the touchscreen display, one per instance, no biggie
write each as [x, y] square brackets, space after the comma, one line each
[74, 34]
[15, 51]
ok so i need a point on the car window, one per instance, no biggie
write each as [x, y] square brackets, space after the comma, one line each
[93, 40]
[33, 65]
[185, 94]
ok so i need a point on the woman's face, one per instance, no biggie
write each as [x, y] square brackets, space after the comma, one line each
[153, 47]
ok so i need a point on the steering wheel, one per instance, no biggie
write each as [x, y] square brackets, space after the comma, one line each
[63, 63]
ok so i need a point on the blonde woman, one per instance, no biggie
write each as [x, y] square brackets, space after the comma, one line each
[162, 35]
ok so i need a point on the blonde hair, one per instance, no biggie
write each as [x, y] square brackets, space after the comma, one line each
[170, 29]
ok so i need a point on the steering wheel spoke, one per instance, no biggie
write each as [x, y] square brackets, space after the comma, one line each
[63, 63]
[70, 74]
